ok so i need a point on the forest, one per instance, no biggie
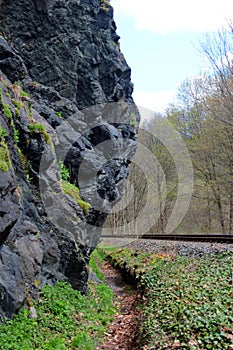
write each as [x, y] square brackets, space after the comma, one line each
[202, 114]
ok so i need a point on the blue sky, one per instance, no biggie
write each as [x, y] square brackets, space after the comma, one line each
[159, 40]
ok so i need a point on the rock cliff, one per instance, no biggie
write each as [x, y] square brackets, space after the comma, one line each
[65, 111]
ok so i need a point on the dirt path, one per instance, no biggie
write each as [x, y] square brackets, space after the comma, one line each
[122, 332]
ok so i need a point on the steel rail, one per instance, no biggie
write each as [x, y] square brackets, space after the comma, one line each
[212, 238]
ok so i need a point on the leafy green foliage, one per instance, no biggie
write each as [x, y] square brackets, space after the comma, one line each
[23, 93]
[66, 320]
[83, 342]
[71, 190]
[64, 171]
[189, 301]
[59, 114]
[16, 135]
[18, 105]
[3, 134]
[95, 260]
[6, 108]
[7, 111]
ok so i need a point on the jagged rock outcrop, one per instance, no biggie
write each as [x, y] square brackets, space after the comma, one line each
[65, 95]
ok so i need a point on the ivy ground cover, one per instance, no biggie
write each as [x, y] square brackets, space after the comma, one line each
[189, 301]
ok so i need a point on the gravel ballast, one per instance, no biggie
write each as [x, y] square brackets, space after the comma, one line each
[188, 249]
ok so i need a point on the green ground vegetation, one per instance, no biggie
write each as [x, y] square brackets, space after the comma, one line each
[189, 301]
[66, 319]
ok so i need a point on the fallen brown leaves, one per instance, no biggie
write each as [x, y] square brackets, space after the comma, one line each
[122, 332]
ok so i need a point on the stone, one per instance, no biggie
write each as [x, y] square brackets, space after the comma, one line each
[12, 284]
[66, 56]
[10, 206]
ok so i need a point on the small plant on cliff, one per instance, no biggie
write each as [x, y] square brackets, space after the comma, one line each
[8, 114]
[105, 5]
[18, 91]
[64, 171]
[3, 134]
[7, 111]
[59, 114]
[6, 108]
[16, 135]
[5, 161]
[40, 128]
[18, 105]
[23, 93]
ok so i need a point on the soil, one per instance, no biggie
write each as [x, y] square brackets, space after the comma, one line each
[123, 330]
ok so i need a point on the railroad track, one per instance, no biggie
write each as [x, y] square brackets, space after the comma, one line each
[211, 238]
[216, 238]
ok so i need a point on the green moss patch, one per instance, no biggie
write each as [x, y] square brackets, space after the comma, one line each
[74, 192]
[5, 160]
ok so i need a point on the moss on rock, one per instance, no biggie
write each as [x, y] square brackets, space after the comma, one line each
[74, 192]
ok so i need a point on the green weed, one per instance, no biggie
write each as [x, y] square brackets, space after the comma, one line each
[59, 114]
[64, 171]
[66, 320]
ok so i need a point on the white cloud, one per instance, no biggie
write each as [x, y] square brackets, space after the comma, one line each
[169, 15]
[154, 101]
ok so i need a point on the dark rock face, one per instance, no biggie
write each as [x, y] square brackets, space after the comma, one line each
[66, 56]
[10, 208]
[71, 46]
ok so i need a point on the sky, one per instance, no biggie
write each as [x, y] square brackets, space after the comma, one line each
[160, 41]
